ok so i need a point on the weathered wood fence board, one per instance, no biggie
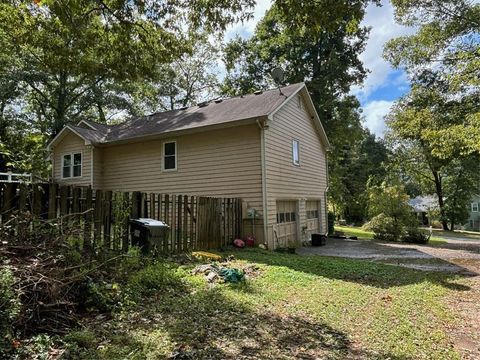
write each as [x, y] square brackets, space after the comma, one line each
[101, 218]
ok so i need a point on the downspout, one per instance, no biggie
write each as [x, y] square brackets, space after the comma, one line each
[52, 156]
[91, 167]
[326, 193]
[262, 127]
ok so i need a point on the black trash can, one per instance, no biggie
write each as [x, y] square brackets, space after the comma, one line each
[318, 240]
[148, 234]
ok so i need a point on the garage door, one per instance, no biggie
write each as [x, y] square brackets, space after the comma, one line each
[312, 212]
[286, 229]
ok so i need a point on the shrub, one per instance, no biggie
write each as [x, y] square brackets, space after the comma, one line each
[391, 214]
[385, 228]
[9, 308]
[415, 236]
[81, 338]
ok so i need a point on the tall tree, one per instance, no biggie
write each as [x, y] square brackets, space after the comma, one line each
[86, 58]
[186, 81]
[446, 47]
[317, 42]
[361, 166]
[71, 50]
[452, 175]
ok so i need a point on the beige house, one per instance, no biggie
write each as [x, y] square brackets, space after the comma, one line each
[268, 148]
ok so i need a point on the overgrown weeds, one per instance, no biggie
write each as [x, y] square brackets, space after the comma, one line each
[47, 284]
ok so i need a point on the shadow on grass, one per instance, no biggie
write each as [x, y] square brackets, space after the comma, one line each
[353, 270]
[207, 324]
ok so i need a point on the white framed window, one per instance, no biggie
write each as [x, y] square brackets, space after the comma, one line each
[169, 161]
[474, 207]
[71, 165]
[296, 152]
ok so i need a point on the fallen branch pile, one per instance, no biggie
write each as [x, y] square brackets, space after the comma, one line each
[50, 274]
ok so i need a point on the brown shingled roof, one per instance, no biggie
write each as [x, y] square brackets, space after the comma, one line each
[94, 136]
[222, 111]
[228, 110]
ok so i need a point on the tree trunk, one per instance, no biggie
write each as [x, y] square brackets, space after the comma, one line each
[441, 204]
[61, 106]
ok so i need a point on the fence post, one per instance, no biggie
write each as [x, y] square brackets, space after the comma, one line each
[87, 230]
[97, 234]
[126, 223]
[64, 200]
[166, 219]
[52, 201]
[136, 204]
[107, 219]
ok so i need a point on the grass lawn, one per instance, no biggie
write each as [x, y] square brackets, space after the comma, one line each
[456, 234]
[355, 231]
[297, 307]
[367, 235]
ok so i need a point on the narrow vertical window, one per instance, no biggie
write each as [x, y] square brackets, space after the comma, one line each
[170, 155]
[77, 165]
[66, 166]
[474, 207]
[296, 152]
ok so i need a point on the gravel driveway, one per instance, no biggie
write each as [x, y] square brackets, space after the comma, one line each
[457, 255]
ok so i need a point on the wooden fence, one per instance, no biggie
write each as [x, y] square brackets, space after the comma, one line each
[102, 217]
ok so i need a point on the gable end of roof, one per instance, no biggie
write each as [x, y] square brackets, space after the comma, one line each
[64, 132]
[303, 91]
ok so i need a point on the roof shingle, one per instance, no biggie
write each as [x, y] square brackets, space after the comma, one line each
[214, 113]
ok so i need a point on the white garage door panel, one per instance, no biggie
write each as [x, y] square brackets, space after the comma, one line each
[286, 227]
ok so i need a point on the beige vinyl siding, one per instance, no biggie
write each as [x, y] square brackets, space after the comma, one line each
[284, 180]
[97, 168]
[72, 143]
[224, 163]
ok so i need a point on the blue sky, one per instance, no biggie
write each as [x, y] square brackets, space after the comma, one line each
[383, 84]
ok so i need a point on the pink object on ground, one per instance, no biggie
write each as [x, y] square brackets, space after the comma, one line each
[239, 243]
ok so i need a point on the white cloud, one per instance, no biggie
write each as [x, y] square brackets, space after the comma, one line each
[383, 29]
[375, 112]
[246, 29]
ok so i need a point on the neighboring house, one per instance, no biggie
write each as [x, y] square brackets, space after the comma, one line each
[423, 206]
[268, 148]
[473, 222]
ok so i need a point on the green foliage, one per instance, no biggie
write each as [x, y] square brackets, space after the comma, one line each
[80, 339]
[36, 347]
[390, 212]
[452, 174]
[153, 278]
[309, 296]
[102, 296]
[415, 236]
[186, 81]
[64, 61]
[443, 54]
[331, 223]
[10, 306]
[390, 200]
[385, 228]
[317, 42]
[363, 164]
